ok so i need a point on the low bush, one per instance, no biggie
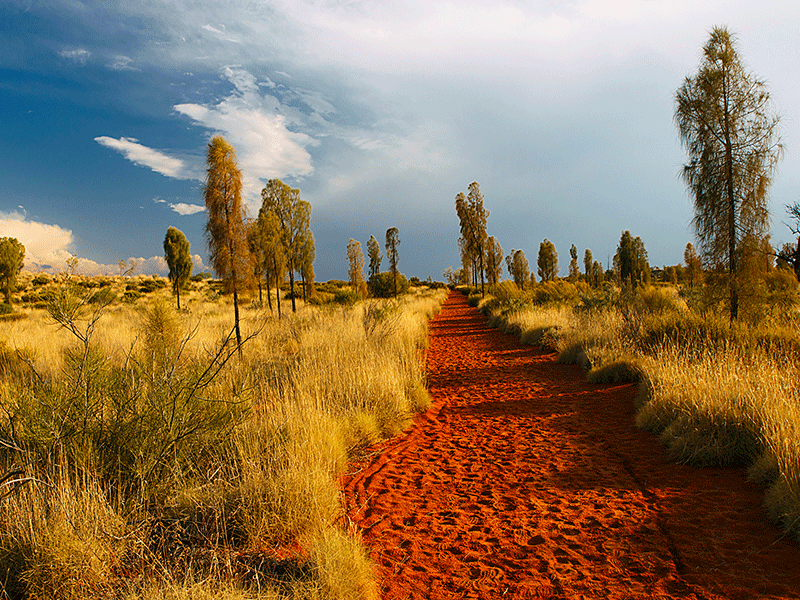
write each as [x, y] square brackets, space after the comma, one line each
[382, 285]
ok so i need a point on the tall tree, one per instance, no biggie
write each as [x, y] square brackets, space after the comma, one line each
[375, 256]
[630, 261]
[518, 267]
[597, 272]
[271, 254]
[12, 259]
[588, 266]
[293, 217]
[730, 132]
[574, 270]
[473, 218]
[355, 271]
[226, 232]
[307, 255]
[494, 260]
[392, 242]
[547, 261]
[179, 260]
[694, 266]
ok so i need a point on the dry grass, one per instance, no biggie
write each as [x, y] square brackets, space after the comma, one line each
[145, 472]
[716, 393]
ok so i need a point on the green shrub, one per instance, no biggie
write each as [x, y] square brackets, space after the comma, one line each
[6, 309]
[151, 285]
[131, 296]
[382, 285]
[346, 296]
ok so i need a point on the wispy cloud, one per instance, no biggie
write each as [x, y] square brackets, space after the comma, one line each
[79, 56]
[121, 63]
[141, 155]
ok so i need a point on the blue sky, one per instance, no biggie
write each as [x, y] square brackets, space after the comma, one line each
[379, 111]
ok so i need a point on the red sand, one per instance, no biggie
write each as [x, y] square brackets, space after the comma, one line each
[524, 481]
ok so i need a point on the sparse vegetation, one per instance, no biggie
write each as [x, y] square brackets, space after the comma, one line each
[139, 460]
[717, 392]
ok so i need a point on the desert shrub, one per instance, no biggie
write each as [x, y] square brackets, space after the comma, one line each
[619, 371]
[151, 285]
[320, 298]
[131, 296]
[41, 279]
[6, 309]
[382, 285]
[556, 291]
[660, 300]
[346, 296]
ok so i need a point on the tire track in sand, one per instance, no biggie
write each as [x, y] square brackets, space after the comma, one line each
[524, 481]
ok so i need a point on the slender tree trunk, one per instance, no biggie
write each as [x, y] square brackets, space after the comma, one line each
[269, 295]
[483, 287]
[278, 296]
[178, 294]
[291, 287]
[732, 263]
[236, 319]
[303, 280]
[260, 297]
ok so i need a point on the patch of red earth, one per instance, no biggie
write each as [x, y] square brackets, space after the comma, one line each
[524, 481]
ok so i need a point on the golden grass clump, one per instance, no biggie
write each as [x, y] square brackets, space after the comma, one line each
[155, 446]
[717, 393]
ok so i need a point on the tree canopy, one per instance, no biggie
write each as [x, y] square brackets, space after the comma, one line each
[375, 256]
[293, 216]
[226, 232]
[730, 132]
[177, 253]
[12, 259]
[548, 261]
[472, 218]
[392, 242]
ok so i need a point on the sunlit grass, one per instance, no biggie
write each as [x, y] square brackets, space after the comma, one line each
[717, 393]
[134, 470]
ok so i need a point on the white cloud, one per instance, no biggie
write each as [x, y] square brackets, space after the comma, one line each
[79, 56]
[121, 63]
[254, 124]
[147, 157]
[45, 244]
[219, 33]
[187, 209]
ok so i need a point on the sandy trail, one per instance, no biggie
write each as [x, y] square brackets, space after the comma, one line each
[524, 481]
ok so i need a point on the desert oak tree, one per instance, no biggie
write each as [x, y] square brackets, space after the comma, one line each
[226, 231]
[392, 242]
[179, 260]
[293, 216]
[727, 126]
[473, 217]
[355, 271]
[547, 262]
[12, 259]
[375, 256]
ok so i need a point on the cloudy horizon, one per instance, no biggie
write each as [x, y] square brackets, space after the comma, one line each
[380, 112]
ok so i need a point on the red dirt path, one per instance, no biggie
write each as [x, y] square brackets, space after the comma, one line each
[524, 481]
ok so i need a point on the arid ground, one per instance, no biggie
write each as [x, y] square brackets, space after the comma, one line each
[524, 481]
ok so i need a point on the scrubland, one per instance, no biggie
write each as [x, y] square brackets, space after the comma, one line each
[718, 393]
[142, 457]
